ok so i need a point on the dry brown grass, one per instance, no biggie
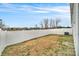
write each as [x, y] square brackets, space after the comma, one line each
[47, 45]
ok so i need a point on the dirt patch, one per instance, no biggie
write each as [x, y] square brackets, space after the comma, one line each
[49, 45]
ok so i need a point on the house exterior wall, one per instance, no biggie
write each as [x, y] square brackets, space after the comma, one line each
[75, 23]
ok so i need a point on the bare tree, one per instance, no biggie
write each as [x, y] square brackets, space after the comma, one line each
[1, 24]
[57, 21]
[51, 23]
[41, 25]
[36, 26]
[46, 24]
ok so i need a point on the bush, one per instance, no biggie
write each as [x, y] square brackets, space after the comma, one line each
[66, 33]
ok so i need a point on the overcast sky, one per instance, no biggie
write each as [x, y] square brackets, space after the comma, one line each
[29, 14]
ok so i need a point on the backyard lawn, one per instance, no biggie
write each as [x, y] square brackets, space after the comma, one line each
[49, 45]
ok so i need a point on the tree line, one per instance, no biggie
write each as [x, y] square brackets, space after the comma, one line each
[50, 24]
[45, 24]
